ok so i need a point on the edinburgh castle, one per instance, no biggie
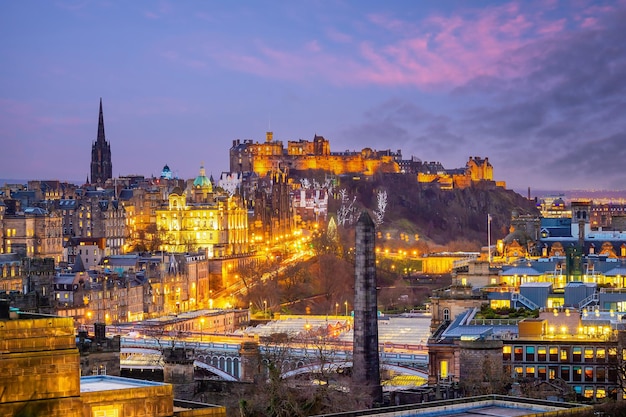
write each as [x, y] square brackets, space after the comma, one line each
[304, 155]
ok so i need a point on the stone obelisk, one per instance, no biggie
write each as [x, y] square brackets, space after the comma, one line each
[365, 368]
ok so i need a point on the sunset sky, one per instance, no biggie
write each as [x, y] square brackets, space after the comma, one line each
[538, 87]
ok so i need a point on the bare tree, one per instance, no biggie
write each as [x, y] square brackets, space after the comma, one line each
[379, 213]
[347, 211]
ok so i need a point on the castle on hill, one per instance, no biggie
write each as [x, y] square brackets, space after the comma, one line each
[303, 155]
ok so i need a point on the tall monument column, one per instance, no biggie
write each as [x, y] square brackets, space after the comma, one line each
[365, 361]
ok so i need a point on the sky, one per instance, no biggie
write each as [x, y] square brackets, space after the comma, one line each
[538, 87]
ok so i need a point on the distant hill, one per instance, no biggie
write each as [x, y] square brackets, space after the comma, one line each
[455, 219]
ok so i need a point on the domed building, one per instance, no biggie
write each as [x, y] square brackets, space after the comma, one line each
[202, 187]
[166, 173]
[198, 218]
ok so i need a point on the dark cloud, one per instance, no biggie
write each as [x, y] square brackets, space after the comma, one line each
[565, 117]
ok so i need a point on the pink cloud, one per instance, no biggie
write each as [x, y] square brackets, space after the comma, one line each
[438, 51]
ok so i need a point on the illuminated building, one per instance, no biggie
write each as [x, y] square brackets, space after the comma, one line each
[40, 372]
[561, 354]
[32, 232]
[303, 155]
[273, 217]
[476, 170]
[200, 219]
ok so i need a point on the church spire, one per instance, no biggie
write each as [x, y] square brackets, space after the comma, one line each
[101, 167]
[101, 137]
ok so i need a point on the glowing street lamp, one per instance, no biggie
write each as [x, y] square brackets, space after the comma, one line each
[264, 309]
[336, 309]
[346, 303]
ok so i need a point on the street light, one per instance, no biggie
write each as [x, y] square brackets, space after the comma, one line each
[264, 309]
[201, 327]
[346, 303]
[336, 309]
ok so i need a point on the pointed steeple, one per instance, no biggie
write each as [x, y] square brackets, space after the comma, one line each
[101, 137]
[101, 166]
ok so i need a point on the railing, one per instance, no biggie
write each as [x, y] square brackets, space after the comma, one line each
[495, 322]
[129, 342]
[517, 297]
[593, 298]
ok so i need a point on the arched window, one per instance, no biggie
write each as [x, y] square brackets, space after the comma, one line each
[446, 314]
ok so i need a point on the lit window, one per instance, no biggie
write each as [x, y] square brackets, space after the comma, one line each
[443, 369]
[506, 353]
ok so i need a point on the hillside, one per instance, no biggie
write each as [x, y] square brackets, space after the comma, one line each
[451, 219]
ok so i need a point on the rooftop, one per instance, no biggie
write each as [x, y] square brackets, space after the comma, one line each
[487, 405]
[108, 383]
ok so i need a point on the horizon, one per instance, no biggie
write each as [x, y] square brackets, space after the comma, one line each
[537, 87]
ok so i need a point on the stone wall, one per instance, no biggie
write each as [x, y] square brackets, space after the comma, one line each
[39, 367]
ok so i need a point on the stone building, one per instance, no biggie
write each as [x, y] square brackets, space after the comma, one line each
[101, 165]
[273, 216]
[303, 155]
[32, 232]
[200, 219]
[476, 170]
[40, 374]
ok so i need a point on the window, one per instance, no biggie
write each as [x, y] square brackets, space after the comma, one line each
[578, 373]
[446, 314]
[552, 372]
[554, 353]
[600, 374]
[518, 371]
[541, 353]
[530, 371]
[530, 353]
[518, 352]
[588, 392]
[588, 374]
[542, 373]
[506, 353]
[443, 369]
[577, 353]
[600, 354]
[588, 354]
[565, 374]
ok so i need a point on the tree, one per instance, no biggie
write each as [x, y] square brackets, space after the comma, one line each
[381, 204]
[346, 214]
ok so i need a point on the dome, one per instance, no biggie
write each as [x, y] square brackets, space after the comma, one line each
[201, 180]
[166, 172]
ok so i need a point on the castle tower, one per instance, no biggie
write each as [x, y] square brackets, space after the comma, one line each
[101, 167]
[365, 368]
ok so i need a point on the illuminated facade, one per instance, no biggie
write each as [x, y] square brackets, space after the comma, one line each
[33, 232]
[476, 170]
[302, 155]
[200, 219]
[563, 354]
[40, 373]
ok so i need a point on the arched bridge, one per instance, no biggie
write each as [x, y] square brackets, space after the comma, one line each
[224, 359]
